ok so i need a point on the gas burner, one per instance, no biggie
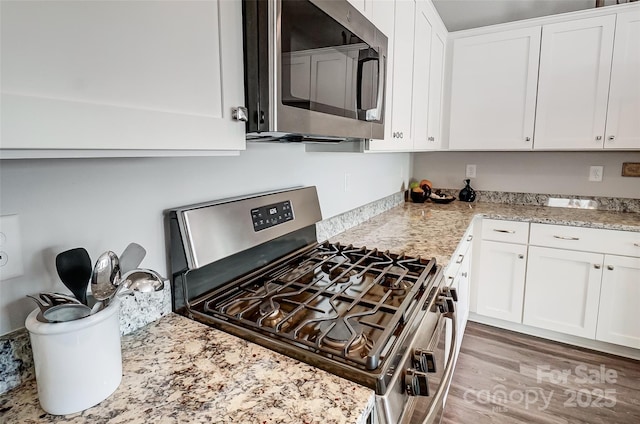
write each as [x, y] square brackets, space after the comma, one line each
[340, 334]
[340, 275]
[395, 286]
[270, 313]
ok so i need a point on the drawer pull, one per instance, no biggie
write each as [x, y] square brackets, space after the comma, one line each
[597, 266]
[504, 231]
[610, 267]
[520, 256]
[636, 244]
[566, 238]
[460, 259]
[464, 274]
[471, 238]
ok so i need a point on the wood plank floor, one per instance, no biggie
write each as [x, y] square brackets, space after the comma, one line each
[503, 377]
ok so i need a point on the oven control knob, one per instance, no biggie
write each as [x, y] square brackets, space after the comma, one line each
[450, 292]
[416, 383]
[445, 304]
[424, 360]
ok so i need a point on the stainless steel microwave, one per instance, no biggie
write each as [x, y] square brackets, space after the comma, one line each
[314, 71]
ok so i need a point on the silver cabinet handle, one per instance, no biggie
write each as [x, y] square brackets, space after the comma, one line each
[598, 138]
[240, 113]
[431, 139]
[504, 231]
[527, 139]
[520, 256]
[636, 244]
[597, 266]
[566, 238]
[460, 259]
[610, 267]
[464, 274]
[611, 137]
[470, 237]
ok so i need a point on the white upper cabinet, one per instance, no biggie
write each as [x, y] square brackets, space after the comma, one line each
[573, 87]
[415, 75]
[436, 85]
[421, 79]
[146, 75]
[623, 124]
[493, 90]
[399, 95]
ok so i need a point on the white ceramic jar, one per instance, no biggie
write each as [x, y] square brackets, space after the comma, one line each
[78, 363]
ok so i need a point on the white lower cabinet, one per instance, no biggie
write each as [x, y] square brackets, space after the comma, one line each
[619, 313]
[461, 282]
[563, 290]
[560, 281]
[501, 275]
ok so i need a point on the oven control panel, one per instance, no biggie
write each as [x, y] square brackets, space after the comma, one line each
[270, 215]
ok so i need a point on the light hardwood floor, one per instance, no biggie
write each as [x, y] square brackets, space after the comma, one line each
[503, 377]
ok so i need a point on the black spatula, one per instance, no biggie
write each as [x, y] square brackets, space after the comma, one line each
[74, 269]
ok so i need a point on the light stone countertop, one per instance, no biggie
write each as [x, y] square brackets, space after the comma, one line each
[178, 371]
[434, 230]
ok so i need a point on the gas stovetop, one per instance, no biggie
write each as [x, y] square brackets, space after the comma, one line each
[346, 303]
[252, 267]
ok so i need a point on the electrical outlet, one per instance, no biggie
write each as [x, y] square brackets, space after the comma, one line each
[471, 171]
[347, 182]
[10, 247]
[595, 173]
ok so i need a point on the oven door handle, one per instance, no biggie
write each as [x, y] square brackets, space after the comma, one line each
[436, 406]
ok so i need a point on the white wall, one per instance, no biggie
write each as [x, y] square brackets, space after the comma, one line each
[531, 172]
[103, 204]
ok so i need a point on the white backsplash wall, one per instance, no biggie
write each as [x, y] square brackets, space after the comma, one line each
[531, 172]
[103, 204]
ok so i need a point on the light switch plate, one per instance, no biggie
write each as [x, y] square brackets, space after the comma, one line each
[10, 247]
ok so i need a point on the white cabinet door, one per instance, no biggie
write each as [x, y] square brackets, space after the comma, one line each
[493, 90]
[462, 282]
[401, 102]
[623, 125]
[619, 313]
[500, 285]
[563, 290]
[399, 95]
[573, 87]
[421, 80]
[122, 75]
[436, 84]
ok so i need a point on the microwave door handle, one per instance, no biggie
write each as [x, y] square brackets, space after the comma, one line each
[367, 55]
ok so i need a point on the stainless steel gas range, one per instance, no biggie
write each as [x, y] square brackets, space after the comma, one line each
[252, 266]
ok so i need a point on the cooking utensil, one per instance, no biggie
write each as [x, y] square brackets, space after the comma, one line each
[131, 257]
[58, 298]
[141, 280]
[66, 312]
[105, 276]
[41, 304]
[74, 269]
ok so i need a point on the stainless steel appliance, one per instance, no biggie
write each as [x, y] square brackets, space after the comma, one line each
[252, 267]
[314, 71]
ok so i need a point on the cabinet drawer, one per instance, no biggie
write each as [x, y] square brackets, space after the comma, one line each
[506, 231]
[586, 239]
[461, 252]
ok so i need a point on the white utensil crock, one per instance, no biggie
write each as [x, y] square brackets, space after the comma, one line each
[78, 363]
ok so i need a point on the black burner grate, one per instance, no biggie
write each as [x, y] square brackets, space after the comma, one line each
[346, 303]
